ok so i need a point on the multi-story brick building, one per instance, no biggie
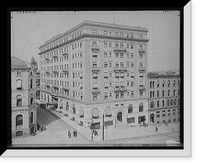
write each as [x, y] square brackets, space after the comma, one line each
[24, 113]
[164, 97]
[95, 70]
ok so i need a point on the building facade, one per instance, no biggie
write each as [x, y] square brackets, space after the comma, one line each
[97, 73]
[37, 84]
[24, 113]
[164, 97]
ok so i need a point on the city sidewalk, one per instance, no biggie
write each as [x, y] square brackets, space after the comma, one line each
[125, 131]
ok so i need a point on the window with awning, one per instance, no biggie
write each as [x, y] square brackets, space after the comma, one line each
[19, 84]
[81, 112]
[108, 112]
[95, 113]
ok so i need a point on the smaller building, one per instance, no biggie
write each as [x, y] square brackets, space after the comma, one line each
[164, 97]
[24, 112]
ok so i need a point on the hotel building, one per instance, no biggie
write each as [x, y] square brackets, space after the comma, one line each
[97, 73]
[23, 91]
[164, 97]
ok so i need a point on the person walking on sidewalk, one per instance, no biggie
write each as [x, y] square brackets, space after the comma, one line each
[69, 134]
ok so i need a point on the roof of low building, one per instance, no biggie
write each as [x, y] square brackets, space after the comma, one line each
[18, 63]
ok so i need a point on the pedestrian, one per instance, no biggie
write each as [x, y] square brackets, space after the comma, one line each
[69, 134]
[74, 133]
[156, 129]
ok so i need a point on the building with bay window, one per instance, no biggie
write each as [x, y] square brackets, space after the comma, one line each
[97, 74]
[164, 97]
[23, 91]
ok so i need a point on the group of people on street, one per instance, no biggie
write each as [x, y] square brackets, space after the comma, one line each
[75, 134]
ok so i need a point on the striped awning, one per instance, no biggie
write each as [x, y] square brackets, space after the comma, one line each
[95, 113]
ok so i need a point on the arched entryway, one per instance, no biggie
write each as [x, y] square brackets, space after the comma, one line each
[119, 116]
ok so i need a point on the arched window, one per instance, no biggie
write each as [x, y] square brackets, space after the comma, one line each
[18, 73]
[174, 92]
[175, 102]
[130, 109]
[152, 104]
[81, 112]
[95, 113]
[172, 102]
[151, 94]
[31, 117]
[141, 108]
[108, 112]
[19, 84]
[31, 99]
[31, 83]
[19, 120]
[74, 109]
[168, 102]
[19, 100]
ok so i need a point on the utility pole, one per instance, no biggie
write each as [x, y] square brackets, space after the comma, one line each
[103, 128]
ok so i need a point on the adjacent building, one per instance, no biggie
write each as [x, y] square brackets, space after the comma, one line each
[164, 97]
[23, 91]
[97, 74]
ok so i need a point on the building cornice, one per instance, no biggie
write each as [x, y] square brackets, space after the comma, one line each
[96, 24]
[95, 36]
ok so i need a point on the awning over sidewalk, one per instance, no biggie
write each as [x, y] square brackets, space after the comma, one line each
[53, 103]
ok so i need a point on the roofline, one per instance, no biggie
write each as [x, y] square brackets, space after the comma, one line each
[93, 23]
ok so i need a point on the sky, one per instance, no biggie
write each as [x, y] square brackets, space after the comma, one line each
[31, 30]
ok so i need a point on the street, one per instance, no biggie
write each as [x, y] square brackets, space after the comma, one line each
[56, 134]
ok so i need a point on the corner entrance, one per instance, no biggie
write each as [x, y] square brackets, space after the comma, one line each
[119, 117]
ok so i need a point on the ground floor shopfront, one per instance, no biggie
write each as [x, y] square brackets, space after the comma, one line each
[93, 119]
[167, 115]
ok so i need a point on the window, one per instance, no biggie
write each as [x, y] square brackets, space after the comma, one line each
[168, 83]
[157, 93]
[169, 113]
[19, 101]
[18, 73]
[168, 92]
[157, 114]
[141, 108]
[131, 120]
[19, 120]
[105, 54]
[158, 84]
[117, 55]
[94, 31]
[163, 113]
[31, 117]
[105, 64]
[31, 100]
[174, 83]
[132, 93]
[158, 103]
[174, 92]
[19, 84]
[163, 93]
[95, 56]
[163, 84]
[106, 96]
[31, 83]
[152, 104]
[130, 109]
